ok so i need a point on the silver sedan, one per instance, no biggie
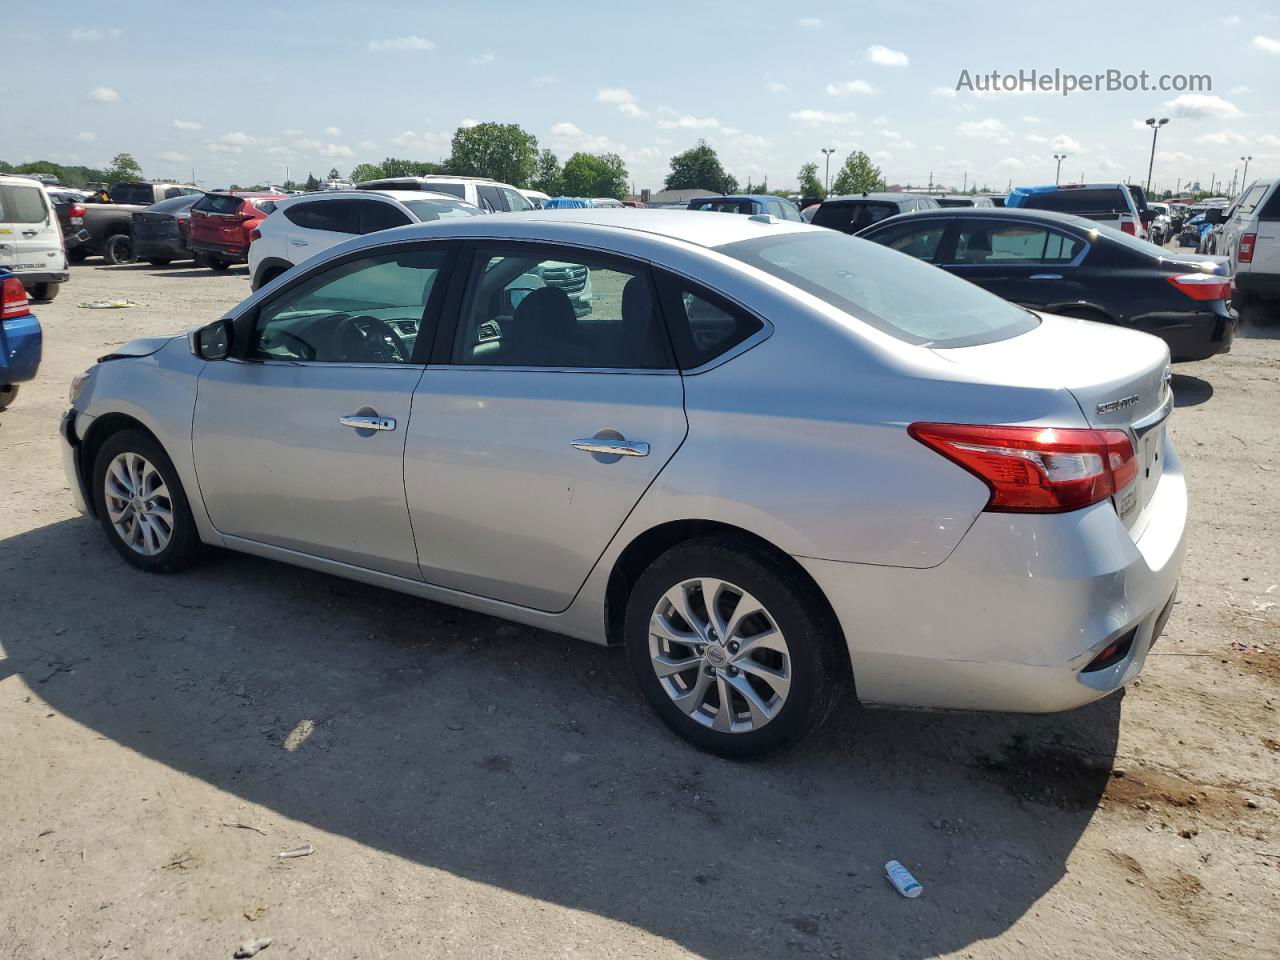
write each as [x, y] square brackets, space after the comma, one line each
[770, 460]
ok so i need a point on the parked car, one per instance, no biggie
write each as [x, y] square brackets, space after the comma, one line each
[1158, 230]
[30, 237]
[536, 197]
[489, 195]
[109, 224]
[963, 200]
[1250, 237]
[1193, 230]
[1109, 203]
[220, 228]
[20, 337]
[68, 206]
[304, 226]
[748, 204]
[849, 214]
[158, 233]
[1073, 267]
[607, 203]
[919, 438]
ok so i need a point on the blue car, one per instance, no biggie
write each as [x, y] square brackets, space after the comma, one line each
[20, 338]
[749, 204]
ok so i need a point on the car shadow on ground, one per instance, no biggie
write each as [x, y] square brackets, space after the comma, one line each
[1259, 319]
[528, 761]
[1190, 391]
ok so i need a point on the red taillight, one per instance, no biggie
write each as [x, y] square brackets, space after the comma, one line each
[1128, 228]
[1203, 286]
[13, 299]
[76, 213]
[255, 234]
[1036, 469]
[1245, 252]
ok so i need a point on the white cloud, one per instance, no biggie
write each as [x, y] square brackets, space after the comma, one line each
[809, 23]
[291, 132]
[188, 125]
[948, 93]
[411, 42]
[1269, 140]
[631, 110]
[469, 122]
[1269, 44]
[1064, 144]
[94, 34]
[897, 140]
[1035, 138]
[481, 59]
[173, 156]
[689, 122]
[332, 132]
[214, 147]
[545, 80]
[103, 95]
[849, 86]
[614, 95]
[886, 57]
[774, 86]
[1239, 90]
[1010, 163]
[822, 118]
[1230, 21]
[1197, 105]
[988, 129]
[1222, 137]
[1029, 119]
[87, 136]
[366, 145]
[572, 138]
[279, 151]
[238, 138]
[335, 150]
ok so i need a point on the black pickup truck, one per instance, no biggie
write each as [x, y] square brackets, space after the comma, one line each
[108, 224]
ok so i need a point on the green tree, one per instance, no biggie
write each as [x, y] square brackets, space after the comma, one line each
[548, 177]
[503, 151]
[698, 168]
[312, 183]
[334, 174]
[367, 171]
[810, 185]
[124, 167]
[857, 175]
[595, 175]
[395, 167]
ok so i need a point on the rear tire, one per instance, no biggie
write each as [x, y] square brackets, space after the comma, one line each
[8, 394]
[141, 504]
[44, 291]
[118, 249]
[782, 668]
[218, 264]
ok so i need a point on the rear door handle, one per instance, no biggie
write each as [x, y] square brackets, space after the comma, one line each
[298, 243]
[612, 448]
[1045, 276]
[29, 233]
[368, 423]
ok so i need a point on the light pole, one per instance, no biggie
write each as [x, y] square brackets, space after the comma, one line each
[1244, 180]
[1057, 174]
[1155, 126]
[828, 151]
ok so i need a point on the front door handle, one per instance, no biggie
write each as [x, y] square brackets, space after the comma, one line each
[1045, 276]
[29, 233]
[298, 243]
[368, 423]
[612, 448]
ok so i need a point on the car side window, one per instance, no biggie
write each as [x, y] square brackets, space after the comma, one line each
[490, 198]
[1250, 201]
[545, 307]
[916, 239]
[376, 215]
[515, 201]
[368, 310]
[703, 325]
[986, 243]
[339, 216]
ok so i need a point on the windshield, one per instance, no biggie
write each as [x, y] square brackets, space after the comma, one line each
[853, 216]
[893, 292]
[428, 210]
[1107, 200]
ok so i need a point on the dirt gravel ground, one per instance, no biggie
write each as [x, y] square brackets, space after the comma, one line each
[476, 789]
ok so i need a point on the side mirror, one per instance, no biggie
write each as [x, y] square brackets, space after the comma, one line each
[1213, 215]
[211, 342]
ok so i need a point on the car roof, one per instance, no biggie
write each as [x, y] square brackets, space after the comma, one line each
[1059, 187]
[400, 195]
[995, 213]
[735, 196]
[880, 197]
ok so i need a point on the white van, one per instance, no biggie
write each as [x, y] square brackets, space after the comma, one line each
[30, 237]
[1250, 236]
[491, 196]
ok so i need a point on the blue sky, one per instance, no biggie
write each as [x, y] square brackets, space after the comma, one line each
[238, 90]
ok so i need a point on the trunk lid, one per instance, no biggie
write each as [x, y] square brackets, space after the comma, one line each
[1120, 379]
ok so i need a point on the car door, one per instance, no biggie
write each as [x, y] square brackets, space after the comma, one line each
[299, 439]
[1025, 262]
[921, 237]
[34, 238]
[538, 427]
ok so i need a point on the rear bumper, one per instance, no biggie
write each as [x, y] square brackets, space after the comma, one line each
[21, 346]
[51, 276]
[1024, 603]
[1263, 284]
[236, 253]
[171, 249]
[1200, 336]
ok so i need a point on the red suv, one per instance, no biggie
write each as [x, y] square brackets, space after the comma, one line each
[218, 232]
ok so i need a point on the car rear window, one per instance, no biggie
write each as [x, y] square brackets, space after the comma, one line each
[458, 190]
[143, 193]
[721, 206]
[23, 205]
[172, 205]
[1107, 200]
[852, 216]
[218, 203]
[898, 295]
[428, 210]
[954, 202]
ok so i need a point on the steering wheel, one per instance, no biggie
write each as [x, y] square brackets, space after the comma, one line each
[369, 340]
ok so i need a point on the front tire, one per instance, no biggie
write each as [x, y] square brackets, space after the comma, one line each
[141, 504]
[737, 652]
[44, 291]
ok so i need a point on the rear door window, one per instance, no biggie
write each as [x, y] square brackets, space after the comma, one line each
[515, 201]
[850, 217]
[336, 216]
[490, 198]
[916, 238]
[988, 243]
[376, 215]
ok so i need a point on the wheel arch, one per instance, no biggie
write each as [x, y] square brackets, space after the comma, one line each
[100, 430]
[647, 546]
[268, 270]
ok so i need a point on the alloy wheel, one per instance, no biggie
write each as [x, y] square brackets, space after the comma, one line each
[719, 655]
[138, 504]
